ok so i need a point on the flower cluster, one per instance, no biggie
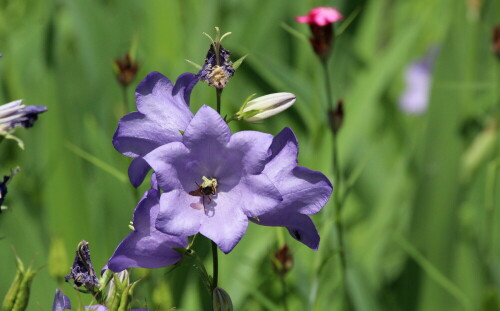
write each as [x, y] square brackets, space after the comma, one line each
[206, 179]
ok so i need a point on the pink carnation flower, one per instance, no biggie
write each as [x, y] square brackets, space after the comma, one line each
[320, 16]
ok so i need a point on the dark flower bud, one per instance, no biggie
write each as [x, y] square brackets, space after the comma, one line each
[217, 68]
[126, 69]
[3, 186]
[496, 41]
[221, 300]
[283, 260]
[336, 116]
[82, 272]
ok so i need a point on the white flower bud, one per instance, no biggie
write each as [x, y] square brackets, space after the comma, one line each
[266, 106]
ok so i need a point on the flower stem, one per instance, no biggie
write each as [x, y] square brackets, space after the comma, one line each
[215, 265]
[125, 99]
[326, 73]
[336, 193]
[283, 285]
[219, 94]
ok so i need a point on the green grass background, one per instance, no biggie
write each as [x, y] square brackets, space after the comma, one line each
[422, 220]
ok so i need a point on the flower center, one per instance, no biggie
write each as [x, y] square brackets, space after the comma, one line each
[207, 188]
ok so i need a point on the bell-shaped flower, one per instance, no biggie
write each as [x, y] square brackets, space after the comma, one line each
[304, 191]
[146, 247]
[163, 112]
[265, 106]
[213, 181]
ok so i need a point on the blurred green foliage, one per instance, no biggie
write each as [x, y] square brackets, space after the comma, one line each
[422, 220]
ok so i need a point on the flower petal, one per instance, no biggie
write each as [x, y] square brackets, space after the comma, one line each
[284, 151]
[146, 247]
[61, 302]
[163, 112]
[303, 190]
[164, 103]
[226, 223]
[253, 147]
[255, 195]
[138, 134]
[170, 165]
[137, 171]
[180, 213]
[301, 227]
[206, 131]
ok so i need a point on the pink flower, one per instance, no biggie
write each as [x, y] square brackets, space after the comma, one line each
[320, 16]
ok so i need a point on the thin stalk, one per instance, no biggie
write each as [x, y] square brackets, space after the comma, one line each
[283, 297]
[125, 99]
[218, 93]
[336, 193]
[326, 73]
[215, 265]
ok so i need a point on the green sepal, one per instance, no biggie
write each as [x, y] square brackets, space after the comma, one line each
[239, 61]
[195, 65]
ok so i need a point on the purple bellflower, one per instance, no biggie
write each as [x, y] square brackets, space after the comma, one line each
[418, 78]
[163, 112]
[213, 181]
[147, 247]
[16, 114]
[304, 191]
[61, 302]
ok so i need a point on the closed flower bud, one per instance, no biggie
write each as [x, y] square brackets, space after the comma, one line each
[496, 41]
[221, 300]
[336, 116]
[265, 106]
[23, 292]
[283, 260]
[10, 297]
[126, 69]
[15, 114]
[58, 259]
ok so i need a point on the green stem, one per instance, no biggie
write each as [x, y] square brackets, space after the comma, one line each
[283, 285]
[326, 73]
[215, 265]
[219, 94]
[125, 99]
[336, 193]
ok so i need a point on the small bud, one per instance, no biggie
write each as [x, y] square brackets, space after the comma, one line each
[82, 272]
[126, 69]
[283, 260]
[265, 106]
[58, 259]
[336, 116]
[321, 21]
[496, 41]
[221, 300]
